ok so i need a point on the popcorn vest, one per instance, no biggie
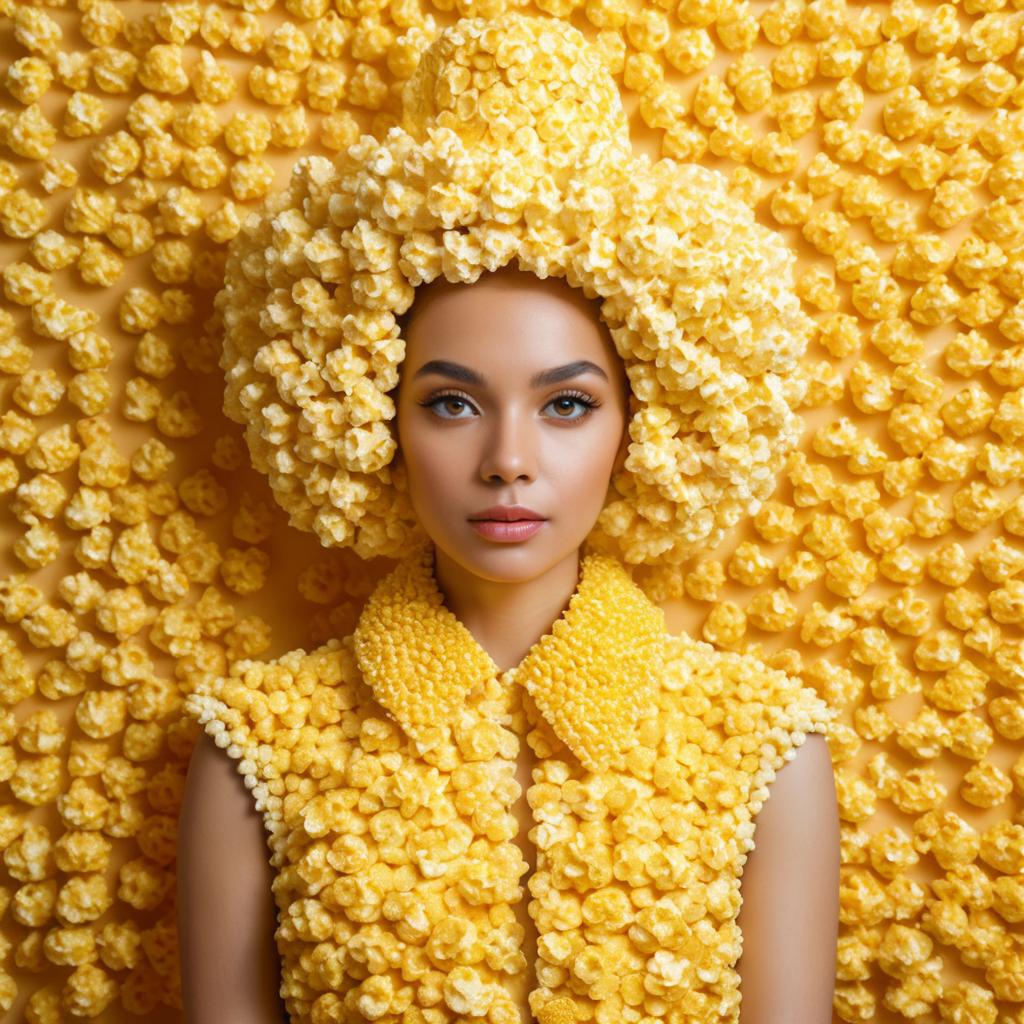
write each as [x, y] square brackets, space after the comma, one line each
[384, 768]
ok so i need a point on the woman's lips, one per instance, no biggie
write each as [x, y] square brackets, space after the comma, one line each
[507, 530]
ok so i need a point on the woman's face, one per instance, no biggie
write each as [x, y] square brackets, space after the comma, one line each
[511, 393]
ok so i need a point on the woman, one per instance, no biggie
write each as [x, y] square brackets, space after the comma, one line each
[405, 813]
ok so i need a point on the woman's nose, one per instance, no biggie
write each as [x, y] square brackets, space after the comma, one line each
[510, 447]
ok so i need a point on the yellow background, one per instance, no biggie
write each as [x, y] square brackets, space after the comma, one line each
[871, 982]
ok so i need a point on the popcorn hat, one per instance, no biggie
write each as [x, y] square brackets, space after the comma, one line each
[513, 145]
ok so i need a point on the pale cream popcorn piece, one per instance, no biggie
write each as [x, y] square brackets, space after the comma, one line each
[114, 70]
[725, 625]
[952, 202]
[705, 580]
[102, 22]
[790, 205]
[985, 785]
[98, 263]
[22, 215]
[895, 222]
[970, 737]
[749, 565]
[197, 124]
[212, 81]
[27, 79]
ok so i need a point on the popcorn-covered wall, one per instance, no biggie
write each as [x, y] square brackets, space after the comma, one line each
[882, 141]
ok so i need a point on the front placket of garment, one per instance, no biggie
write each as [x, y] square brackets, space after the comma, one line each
[543, 823]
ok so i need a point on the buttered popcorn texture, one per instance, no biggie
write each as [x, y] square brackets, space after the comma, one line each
[384, 767]
[513, 147]
[881, 140]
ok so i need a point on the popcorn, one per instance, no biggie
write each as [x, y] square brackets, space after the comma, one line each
[870, 390]
[948, 460]
[985, 785]
[844, 102]
[115, 157]
[772, 611]
[99, 264]
[952, 202]
[250, 178]
[850, 573]
[970, 737]
[991, 86]
[907, 613]
[725, 625]
[22, 215]
[115, 70]
[1002, 847]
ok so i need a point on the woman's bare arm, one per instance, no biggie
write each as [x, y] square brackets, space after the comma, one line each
[230, 969]
[790, 888]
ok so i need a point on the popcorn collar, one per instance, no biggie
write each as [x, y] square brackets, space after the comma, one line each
[591, 675]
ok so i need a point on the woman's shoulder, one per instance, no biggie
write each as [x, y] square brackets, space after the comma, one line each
[729, 682]
[279, 715]
[261, 695]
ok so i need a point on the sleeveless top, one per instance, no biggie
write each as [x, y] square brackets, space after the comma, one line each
[383, 767]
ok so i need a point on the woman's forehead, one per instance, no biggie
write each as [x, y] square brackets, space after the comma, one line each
[508, 316]
[512, 289]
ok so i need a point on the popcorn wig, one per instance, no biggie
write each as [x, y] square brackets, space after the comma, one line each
[513, 145]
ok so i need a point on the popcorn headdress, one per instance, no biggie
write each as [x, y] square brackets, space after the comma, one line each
[513, 146]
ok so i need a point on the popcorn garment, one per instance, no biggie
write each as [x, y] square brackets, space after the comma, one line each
[384, 767]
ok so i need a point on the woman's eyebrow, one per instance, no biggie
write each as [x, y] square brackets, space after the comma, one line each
[446, 368]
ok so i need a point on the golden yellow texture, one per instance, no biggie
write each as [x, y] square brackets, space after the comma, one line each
[882, 141]
[384, 762]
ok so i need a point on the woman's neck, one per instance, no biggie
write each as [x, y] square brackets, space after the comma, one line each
[506, 619]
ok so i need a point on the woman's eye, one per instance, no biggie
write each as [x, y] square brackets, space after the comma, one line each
[565, 404]
[456, 407]
[454, 403]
